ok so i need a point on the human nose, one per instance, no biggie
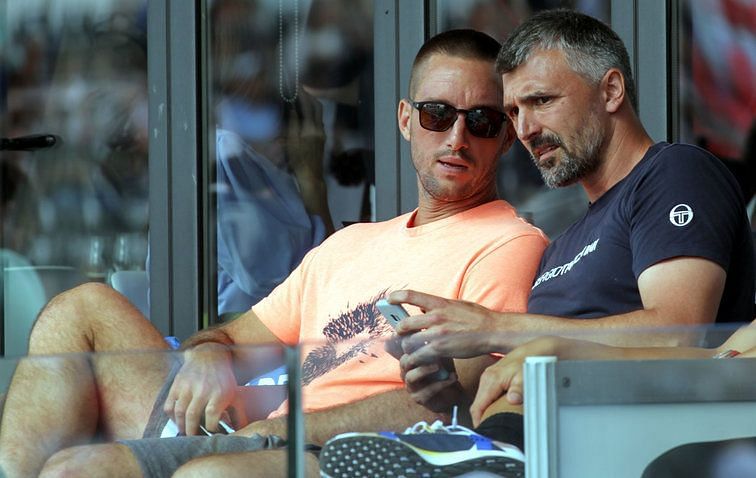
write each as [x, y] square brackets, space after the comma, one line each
[458, 133]
[526, 125]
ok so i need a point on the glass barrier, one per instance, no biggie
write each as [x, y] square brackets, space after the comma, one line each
[354, 385]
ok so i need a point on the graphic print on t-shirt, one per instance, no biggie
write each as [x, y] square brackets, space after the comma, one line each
[565, 268]
[343, 339]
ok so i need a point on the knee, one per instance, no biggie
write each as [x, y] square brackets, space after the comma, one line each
[74, 299]
[198, 468]
[255, 464]
[66, 463]
[93, 461]
[80, 306]
[88, 293]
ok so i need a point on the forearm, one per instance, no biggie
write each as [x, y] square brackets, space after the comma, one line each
[392, 411]
[641, 328]
[248, 360]
[211, 335]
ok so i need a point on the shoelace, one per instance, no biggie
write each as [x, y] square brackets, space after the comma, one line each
[439, 427]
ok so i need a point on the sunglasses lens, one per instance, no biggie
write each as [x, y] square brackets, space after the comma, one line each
[481, 122]
[484, 123]
[437, 116]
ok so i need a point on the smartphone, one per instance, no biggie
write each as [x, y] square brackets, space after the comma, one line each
[394, 314]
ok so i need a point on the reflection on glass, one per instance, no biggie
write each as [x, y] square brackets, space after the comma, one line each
[76, 70]
[100, 397]
[519, 182]
[718, 70]
[291, 85]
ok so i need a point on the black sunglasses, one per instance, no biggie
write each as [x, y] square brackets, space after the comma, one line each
[481, 122]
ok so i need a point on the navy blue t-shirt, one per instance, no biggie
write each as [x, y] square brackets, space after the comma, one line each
[679, 200]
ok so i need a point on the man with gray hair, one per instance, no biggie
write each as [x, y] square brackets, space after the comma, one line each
[660, 215]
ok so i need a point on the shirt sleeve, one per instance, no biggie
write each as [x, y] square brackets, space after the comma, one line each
[501, 280]
[281, 310]
[686, 204]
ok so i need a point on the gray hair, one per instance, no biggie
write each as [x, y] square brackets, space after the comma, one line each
[590, 47]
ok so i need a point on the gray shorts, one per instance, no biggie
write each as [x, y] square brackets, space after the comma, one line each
[161, 457]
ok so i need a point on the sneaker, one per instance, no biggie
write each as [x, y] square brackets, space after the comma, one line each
[421, 451]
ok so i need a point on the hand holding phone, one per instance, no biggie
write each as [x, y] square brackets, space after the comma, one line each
[394, 313]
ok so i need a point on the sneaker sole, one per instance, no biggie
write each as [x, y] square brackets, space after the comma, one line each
[375, 456]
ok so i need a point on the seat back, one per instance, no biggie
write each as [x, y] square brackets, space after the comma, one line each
[26, 290]
[134, 286]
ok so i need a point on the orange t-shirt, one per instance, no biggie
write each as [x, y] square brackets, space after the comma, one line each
[486, 255]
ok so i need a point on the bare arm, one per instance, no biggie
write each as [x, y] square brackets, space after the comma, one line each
[671, 298]
[505, 377]
[393, 410]
[214, 362]
[680, 292]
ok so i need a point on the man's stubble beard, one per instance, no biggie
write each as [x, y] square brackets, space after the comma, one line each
[572, 166]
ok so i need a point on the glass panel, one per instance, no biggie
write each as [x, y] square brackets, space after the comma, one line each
[291, 98]
[75, 210]
[604, 389]
[519, 181]
[717, 77]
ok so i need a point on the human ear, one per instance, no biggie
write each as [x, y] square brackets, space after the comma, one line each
[403, 117]
[613, 88]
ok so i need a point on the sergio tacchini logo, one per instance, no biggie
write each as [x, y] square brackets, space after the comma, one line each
[681, 215]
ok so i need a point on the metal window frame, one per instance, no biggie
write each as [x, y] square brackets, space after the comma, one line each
[400, 28]
[176, 150]
[647, 29]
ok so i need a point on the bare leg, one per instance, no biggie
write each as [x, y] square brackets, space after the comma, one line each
[57, 402]
[106, 461]
[263, 464]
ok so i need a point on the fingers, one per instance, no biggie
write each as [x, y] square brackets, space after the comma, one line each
[213, 411]
[192, 415]
[504, 377]
[185, 406]
[199, 394]
[419, 377]
[514, 394]
[418, 352]
[193, 409]
[419, 299]
[394, 347]
[436, 395]
[413, 323]
[431, 395]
